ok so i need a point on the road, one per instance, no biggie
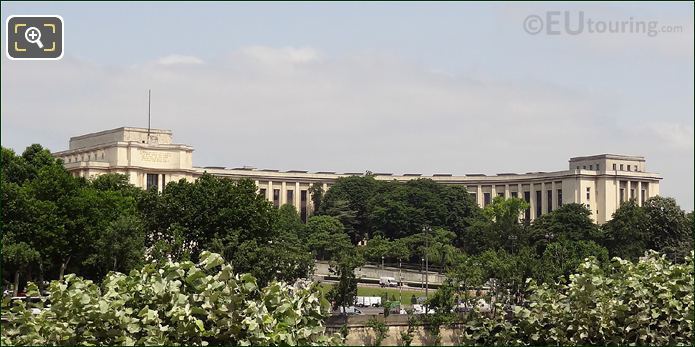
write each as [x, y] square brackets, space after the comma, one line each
[371, 285]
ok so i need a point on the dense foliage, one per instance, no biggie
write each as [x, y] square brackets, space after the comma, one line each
[649, 302]
[172, 303]
[55, 223]
[396, 210]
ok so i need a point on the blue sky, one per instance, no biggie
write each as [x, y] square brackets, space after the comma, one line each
[387, 87]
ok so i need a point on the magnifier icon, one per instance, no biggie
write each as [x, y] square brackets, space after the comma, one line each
[33, 35]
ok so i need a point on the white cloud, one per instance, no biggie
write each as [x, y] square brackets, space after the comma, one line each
[278, 56]
[675, 136]
[179, 59]
[298, 108]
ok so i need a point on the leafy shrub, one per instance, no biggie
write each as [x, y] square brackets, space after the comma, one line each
[380, 330]
[173, 303]
[645, 303]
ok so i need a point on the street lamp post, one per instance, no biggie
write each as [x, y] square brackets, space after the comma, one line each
[422, 275]
[400, 282]
[427, 229]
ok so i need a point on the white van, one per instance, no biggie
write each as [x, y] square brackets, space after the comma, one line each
[366, 301]
[388, 282]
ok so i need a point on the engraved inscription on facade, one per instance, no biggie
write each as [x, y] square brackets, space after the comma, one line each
[155, 156]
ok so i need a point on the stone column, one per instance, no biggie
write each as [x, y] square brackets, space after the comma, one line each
[507, 195]
[553, 194]
[627, 191]
[617, 193]
[639, 193]
[479, 195]
[297, 200]
[283, 193]
[544, 202]
[269, 191]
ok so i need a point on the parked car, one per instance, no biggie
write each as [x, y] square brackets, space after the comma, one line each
[388, 282]
[420, 309]
[349, 310]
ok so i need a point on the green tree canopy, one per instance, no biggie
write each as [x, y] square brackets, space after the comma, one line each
[326, 237]
[626, 235]
[667, 227]
[570, 221]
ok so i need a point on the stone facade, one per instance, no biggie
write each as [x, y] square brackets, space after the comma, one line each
[150, 158]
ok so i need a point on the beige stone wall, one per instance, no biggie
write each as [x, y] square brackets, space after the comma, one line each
[121, 135]
[360, 334]
[127, 151]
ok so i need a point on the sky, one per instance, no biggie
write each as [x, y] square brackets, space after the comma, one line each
[386, 87]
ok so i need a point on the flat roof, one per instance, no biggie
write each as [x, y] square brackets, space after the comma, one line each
[608, 156]
[121, 129]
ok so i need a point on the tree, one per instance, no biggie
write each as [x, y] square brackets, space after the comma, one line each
[570, 221]
[119, 247]
[350, 196]
[376, 248]
[18, 256]
[497, 226]
[561, 258]
[380, 330]
[316, 191]
[326, 237]
[504, 216]
[285, 256]
[14, 168]
[468, 273]
[399, 250]
[209, 211]
[667, 227]
[101, 229]
[441, 248]
[288, 223]
[344, 292]
[115, 182]
[444, 299]
[34, 213]
[404, 209]
[626, 235]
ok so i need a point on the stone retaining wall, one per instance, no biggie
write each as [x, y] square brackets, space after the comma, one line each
[360, 334]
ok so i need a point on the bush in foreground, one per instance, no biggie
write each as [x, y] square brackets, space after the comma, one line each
[649, 302]
[172, 304]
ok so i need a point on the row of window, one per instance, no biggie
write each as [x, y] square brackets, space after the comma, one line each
[615, 167]
[632, 195]
[84, 157]
[527, 197]
[591, 167]
[629, 167]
